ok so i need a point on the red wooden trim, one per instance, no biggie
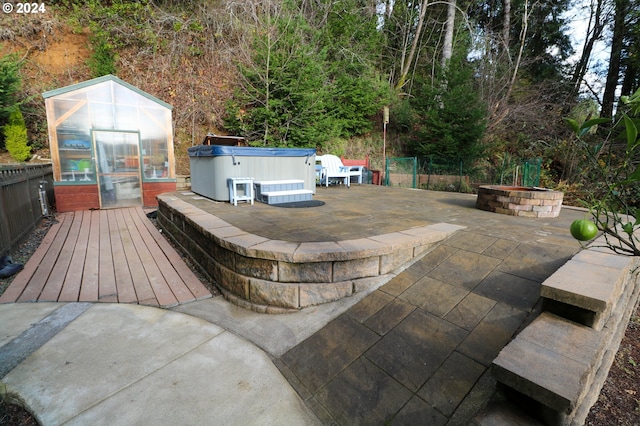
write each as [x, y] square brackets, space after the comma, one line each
[348, 162]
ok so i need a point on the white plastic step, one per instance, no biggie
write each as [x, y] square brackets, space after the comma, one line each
[268, 186]
[290, 196]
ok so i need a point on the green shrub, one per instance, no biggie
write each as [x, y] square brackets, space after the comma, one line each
[15, 134]
[103, 59]
[9, 87]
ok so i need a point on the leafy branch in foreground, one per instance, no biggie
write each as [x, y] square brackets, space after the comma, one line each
[615, 162]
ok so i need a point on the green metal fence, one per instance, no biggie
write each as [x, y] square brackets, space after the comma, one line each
[401, 172]
[531, 172]
[454, 174]
[518, 172]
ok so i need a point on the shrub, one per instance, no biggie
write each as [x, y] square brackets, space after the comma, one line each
[103, 59]
[9, 87]
[15, 133]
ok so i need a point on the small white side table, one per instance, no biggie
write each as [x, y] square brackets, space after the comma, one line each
[245, 194]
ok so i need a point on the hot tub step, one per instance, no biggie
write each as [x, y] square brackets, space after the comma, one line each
[279, 197]
[275, 186]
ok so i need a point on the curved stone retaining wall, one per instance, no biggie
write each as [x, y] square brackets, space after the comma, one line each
[279, 276]
[519, 201]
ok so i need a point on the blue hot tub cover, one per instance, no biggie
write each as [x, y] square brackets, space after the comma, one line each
[248, 151]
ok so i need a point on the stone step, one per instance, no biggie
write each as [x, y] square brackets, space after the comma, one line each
[587, 287]
[550, 361]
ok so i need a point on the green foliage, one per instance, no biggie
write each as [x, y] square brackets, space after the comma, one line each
[10, 83]
[103, 58]
[283, 99]
[446, 120]
[15, 133]
[305, 86]
[615, 164]
[547, 42]
[355, 100]
[353, 44]
[114, 25]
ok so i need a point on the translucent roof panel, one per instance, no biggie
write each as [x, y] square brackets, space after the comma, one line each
[110, 104]
[71, 114]
[126, 117]
[108, 89]
[126, 96]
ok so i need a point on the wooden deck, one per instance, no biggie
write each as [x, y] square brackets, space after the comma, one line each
[106, 256]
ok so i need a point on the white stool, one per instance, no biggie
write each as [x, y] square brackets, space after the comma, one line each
[247, 194]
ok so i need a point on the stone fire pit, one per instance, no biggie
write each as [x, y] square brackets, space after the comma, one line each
[520, 201]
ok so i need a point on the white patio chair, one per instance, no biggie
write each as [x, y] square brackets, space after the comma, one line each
[334, 170]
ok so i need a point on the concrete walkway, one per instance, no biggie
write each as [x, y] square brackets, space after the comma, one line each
[120, 364]
[415, 349]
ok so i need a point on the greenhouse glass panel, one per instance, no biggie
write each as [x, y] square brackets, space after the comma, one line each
[126, 117]
[111, 144]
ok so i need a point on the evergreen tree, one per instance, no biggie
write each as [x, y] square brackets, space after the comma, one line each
[9, 87]
[446, 120]
[15, 133]
[282, 101]
[311, 76]
[353, 45]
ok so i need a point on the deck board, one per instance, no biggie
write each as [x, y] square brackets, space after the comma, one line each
[71, 287]
[159, 286]
[124, 283]
[90, 273]
[107, 288]
[112, 255]
[20, 282]
[140, 280]
[187, 276]
[43, 270]
[175, 284]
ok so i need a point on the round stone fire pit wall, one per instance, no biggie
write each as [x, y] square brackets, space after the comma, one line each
[519, 201]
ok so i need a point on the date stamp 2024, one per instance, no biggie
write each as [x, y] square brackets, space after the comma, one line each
[23, 8]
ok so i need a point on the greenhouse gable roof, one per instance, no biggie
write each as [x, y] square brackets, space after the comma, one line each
[105, 78]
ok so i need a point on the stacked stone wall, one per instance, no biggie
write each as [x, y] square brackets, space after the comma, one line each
[518, 201]
[279, 276]
[558, 364]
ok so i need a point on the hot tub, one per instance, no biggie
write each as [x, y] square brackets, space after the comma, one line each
[212, 165]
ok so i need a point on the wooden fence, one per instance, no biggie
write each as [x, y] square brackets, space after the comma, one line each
[21, 202]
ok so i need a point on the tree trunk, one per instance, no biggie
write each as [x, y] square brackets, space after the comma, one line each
[613, 74]
[506, 24]
[594, 33]
[523, 39]
[406, 63]
[447, 48]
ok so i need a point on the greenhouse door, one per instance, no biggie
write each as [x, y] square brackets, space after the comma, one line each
[118, 164]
